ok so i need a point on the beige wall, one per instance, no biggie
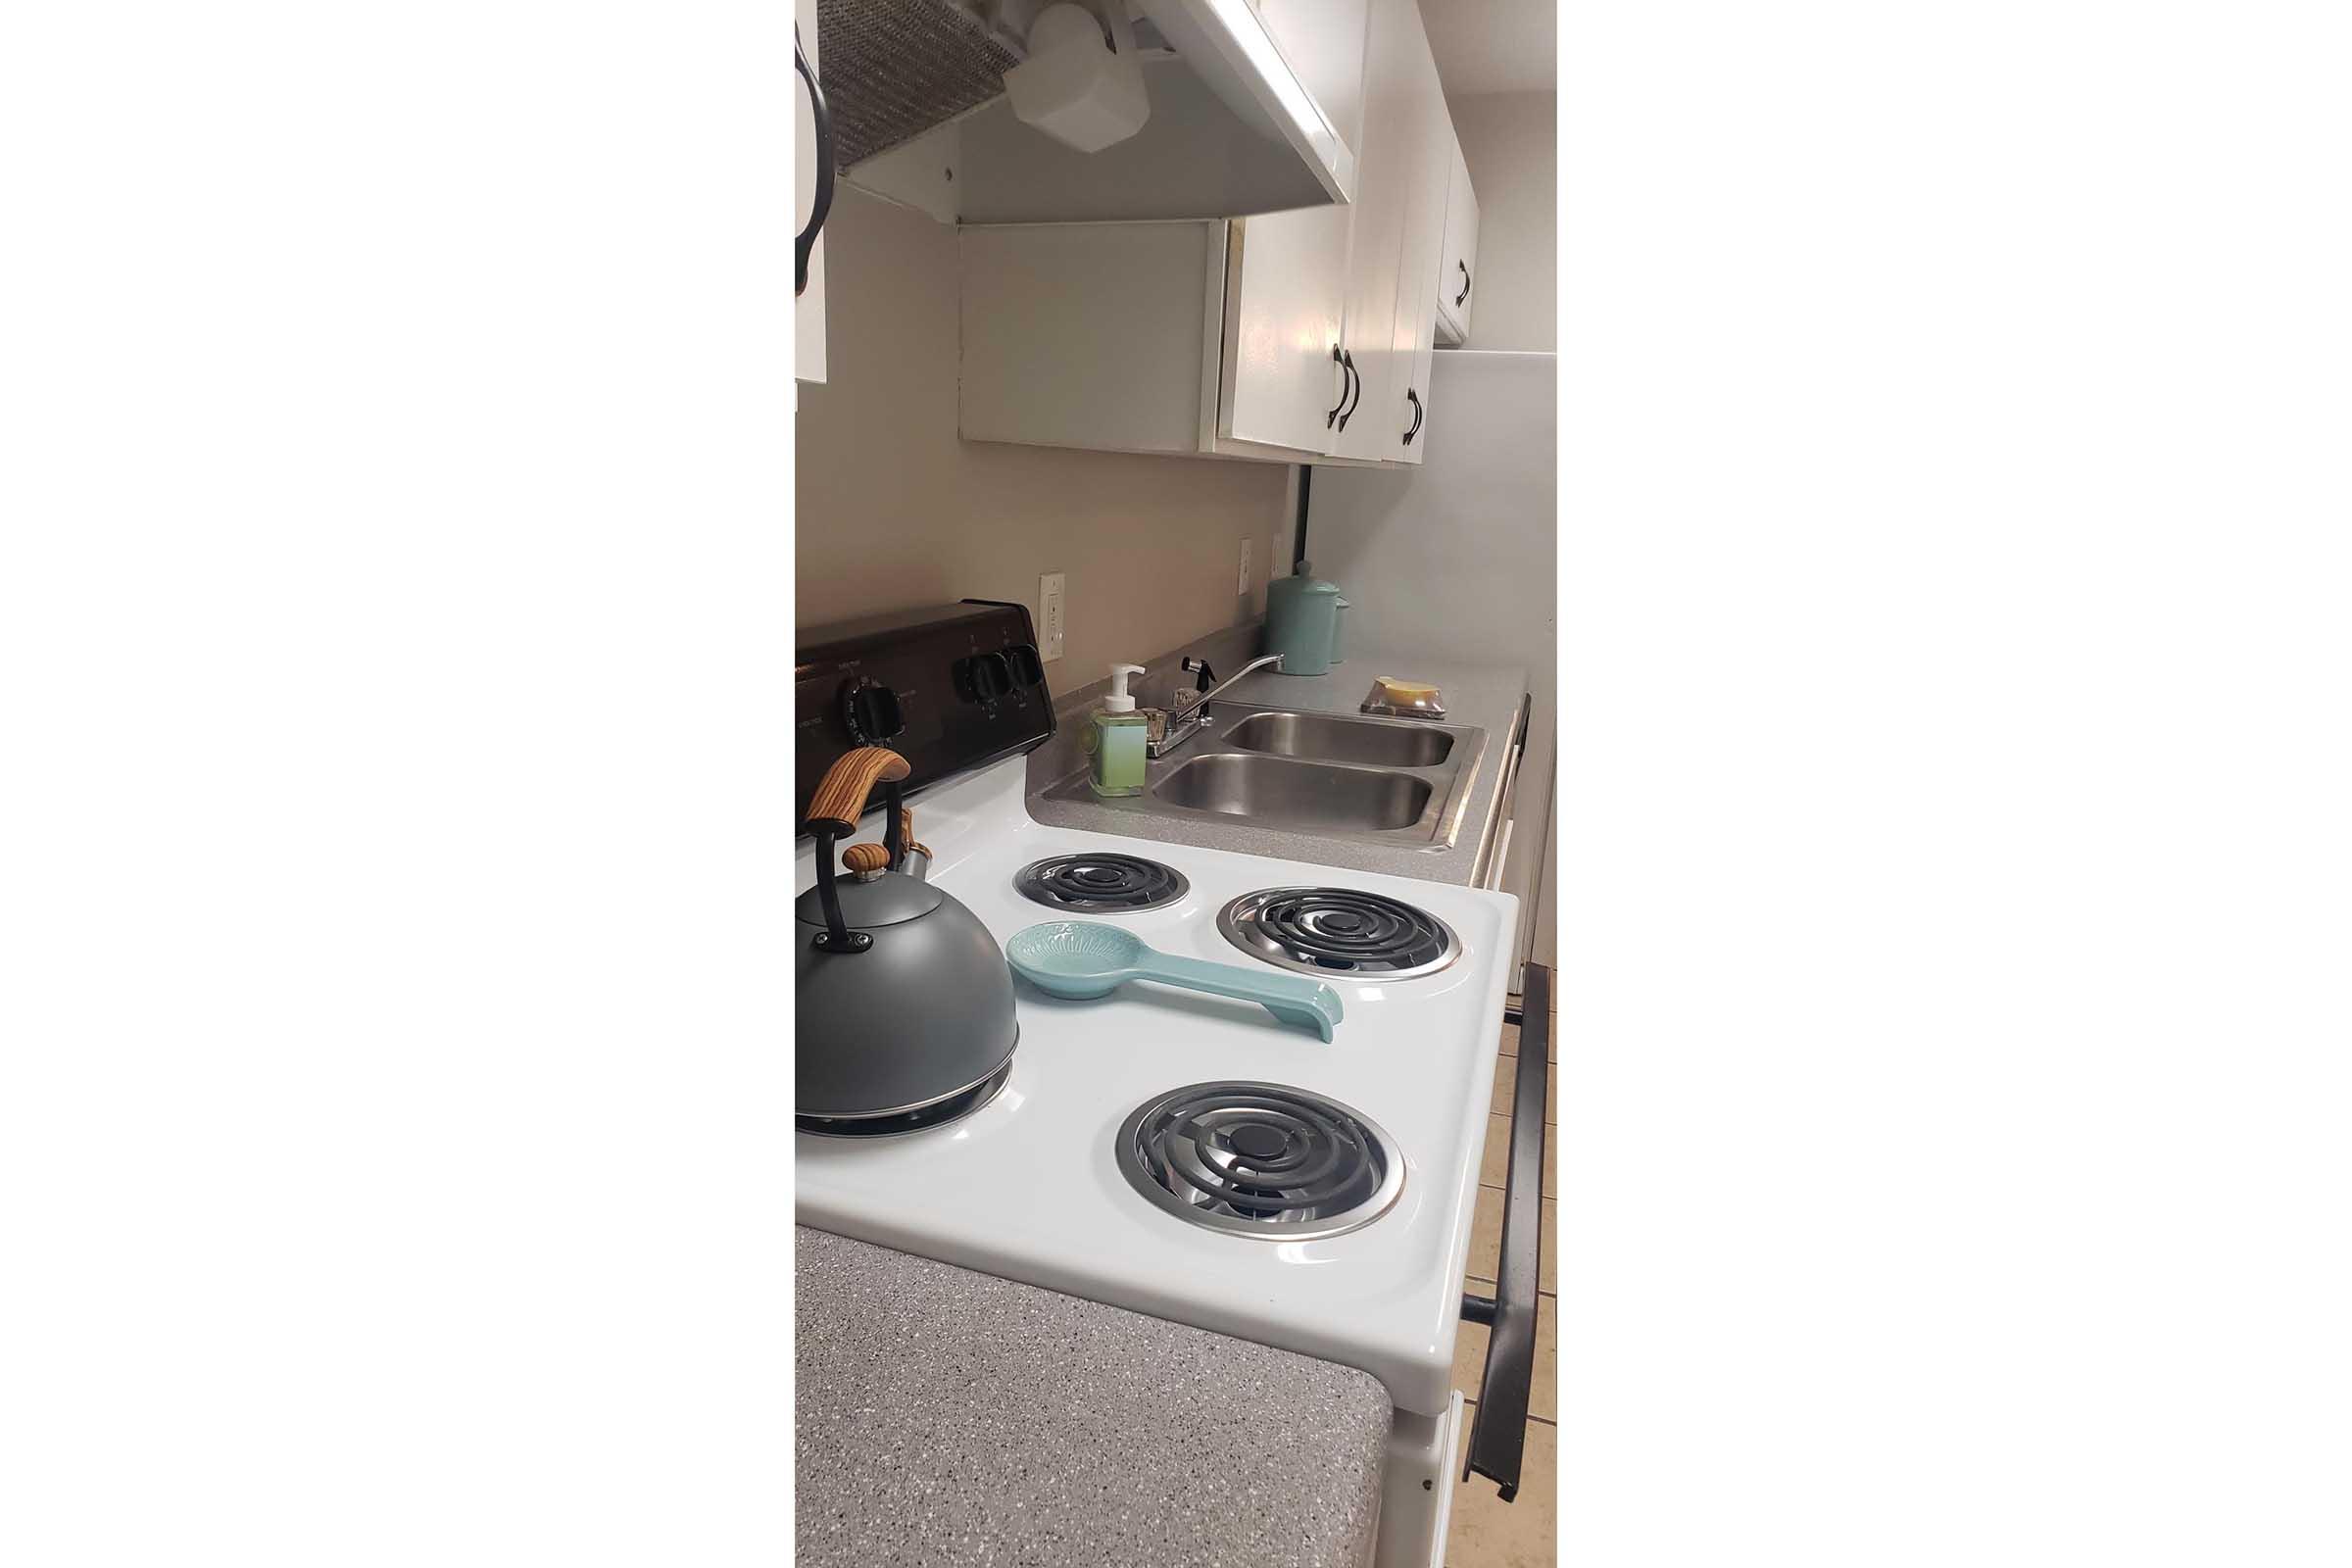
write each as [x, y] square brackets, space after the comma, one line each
[1508, 142]
[893, 509]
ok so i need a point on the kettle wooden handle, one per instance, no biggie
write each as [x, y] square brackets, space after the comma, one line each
[906, 832]
[867, 858]
[840, 800]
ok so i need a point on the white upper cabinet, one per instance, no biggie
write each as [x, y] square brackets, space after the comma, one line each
[1280, 382]
[1090, 334]
[1403, 424]
[808, 311]
[1280, 378]
[1457, 270]
[1376, 231]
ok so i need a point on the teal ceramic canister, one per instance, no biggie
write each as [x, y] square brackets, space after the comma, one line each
[1303, 619]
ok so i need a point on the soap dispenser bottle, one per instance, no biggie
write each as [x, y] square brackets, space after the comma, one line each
[1113, 739]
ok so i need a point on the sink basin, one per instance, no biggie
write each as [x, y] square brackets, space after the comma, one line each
[1321, 775]
[1305, 795]
[1341, 740]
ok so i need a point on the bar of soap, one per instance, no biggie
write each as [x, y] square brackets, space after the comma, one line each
[1404, 693]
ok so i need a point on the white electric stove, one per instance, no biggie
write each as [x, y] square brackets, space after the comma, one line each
[1087, 1169]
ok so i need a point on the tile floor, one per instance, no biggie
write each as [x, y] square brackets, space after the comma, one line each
[1486, 1532]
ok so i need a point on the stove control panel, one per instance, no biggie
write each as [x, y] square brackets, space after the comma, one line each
[948, 688]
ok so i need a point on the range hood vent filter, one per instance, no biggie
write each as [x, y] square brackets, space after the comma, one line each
[894, 69]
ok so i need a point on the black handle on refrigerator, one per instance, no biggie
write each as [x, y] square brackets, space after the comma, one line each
[822, 203]
[1499, 1435]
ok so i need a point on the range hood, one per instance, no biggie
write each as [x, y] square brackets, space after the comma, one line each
[1245, 106]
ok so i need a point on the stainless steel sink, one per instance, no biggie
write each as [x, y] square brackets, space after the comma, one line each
[1376, 781]
[1304, 795]
[1333, 739]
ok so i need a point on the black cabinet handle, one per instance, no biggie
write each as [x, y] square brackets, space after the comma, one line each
[1415, 398]
[1346, 381]
[1499, 1434]
[1355, 380]
[823, 201]
[1465, 293]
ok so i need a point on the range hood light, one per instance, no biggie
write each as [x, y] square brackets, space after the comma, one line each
[1242, 24]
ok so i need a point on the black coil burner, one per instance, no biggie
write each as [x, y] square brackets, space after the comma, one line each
[937, 1113]
[1264, 1161]
[1319, 930]
[1100, 884]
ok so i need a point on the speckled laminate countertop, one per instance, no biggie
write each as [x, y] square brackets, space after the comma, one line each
[1038, 1429]
[1482, 696]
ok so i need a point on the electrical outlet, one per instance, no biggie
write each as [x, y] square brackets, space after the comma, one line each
[1050, 617]
[1243, 591]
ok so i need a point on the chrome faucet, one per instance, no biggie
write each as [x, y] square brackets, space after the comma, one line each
[1188, 711]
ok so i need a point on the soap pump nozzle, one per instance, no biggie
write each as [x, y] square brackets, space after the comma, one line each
[1119, 702]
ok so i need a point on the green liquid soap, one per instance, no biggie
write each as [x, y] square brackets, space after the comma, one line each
[1114, 740]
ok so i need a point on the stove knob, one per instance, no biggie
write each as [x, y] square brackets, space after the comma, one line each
[990, 677]
[872, 714]
[1027, 667]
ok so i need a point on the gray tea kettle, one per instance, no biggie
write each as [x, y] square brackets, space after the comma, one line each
[904, 1000]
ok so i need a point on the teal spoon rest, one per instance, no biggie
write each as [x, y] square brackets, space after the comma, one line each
[1079, 960]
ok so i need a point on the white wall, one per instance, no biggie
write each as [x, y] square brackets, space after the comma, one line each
[1456, 556]
[1511, 147]
[1509, 142]
[894, 510]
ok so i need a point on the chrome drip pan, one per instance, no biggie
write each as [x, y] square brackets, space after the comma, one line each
[1102, 883]
[1339, 931]
[1262, 1160]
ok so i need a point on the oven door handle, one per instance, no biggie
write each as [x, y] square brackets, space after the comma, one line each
[1498, 1435]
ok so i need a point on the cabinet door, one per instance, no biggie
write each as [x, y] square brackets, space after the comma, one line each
[1286, 278]
[1458, 270]
[1088, 335]
[1376, 227]
[808, 311]
[1404, 420]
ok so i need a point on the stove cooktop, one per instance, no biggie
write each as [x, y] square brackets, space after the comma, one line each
[1328, 1209]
